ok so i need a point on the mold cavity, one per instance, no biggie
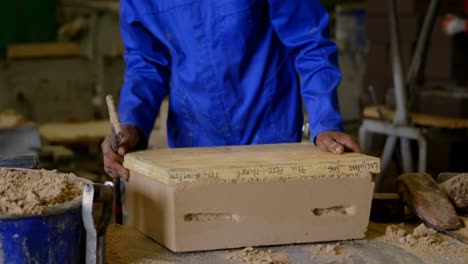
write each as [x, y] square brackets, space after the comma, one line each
[211, 217]
[335, 211]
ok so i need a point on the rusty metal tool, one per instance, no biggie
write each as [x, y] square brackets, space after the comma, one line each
[116, 137]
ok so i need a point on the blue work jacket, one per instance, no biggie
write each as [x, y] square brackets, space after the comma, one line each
[235, 71]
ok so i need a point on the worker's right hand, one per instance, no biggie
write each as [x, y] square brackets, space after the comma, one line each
[337, 142]
[113, 160]
[453, 25]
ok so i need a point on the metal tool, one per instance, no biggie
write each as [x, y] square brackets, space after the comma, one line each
[116, 137]
[401, 128]
[95, 233]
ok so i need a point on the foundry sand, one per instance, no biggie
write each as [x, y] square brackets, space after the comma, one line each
[32, 191]
[226, 197]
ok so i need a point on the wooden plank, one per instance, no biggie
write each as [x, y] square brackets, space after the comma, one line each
[81, 132]
[43, 50]
[419, 119]
[248, 163]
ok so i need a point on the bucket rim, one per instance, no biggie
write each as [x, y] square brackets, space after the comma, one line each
[53, 209]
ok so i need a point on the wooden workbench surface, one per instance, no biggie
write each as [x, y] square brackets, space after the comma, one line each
[126, 245]
[419, 119]
[77, 132]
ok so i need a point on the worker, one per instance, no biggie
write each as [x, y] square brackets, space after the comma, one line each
[453, 24]
[235, 72]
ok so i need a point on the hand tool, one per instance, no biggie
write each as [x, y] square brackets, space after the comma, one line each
[116, 137]
[460, 234]
[424, 197]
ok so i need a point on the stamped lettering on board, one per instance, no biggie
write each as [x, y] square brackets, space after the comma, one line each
[275, 170]
[180, 176]
[299, 169]
[364, 166]
[248, 172]
[333, 168]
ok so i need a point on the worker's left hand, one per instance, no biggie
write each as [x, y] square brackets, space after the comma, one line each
[337, 142]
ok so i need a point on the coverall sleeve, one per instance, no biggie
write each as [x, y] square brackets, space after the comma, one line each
[146, 74]
[303, 27]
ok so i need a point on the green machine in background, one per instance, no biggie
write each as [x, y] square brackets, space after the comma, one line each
[23, 21]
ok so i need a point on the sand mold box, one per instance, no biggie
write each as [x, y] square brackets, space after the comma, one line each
[32, 191]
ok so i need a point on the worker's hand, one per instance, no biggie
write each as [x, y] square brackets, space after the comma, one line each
[337, 142]
[453, 25]
[113, 160]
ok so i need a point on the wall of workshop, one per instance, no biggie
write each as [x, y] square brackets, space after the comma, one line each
[71, 88]
[27, 21]
[446, 60]
[53, 89]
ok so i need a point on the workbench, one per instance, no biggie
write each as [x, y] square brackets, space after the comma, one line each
[126, 245]
[73, 133]
[418, 118]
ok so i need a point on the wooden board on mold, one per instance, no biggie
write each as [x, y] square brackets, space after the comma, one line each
[248, 163]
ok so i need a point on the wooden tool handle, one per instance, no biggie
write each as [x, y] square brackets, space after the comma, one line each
[114, 117]
[115, 141]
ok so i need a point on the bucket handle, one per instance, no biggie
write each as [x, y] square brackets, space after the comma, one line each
[95, 233]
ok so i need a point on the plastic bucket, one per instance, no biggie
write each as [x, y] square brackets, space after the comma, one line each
[55, 236]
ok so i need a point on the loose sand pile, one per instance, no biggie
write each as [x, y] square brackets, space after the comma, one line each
[31, 191]
[257, 256]
[325, 250]
[426, 242]
[421, 236]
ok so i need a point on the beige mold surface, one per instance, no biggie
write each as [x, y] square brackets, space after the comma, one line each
[230, 197]
[248, 163]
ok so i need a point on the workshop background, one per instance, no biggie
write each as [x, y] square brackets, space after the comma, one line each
[60, 58]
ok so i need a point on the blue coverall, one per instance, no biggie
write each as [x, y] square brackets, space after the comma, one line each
[231, 69]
